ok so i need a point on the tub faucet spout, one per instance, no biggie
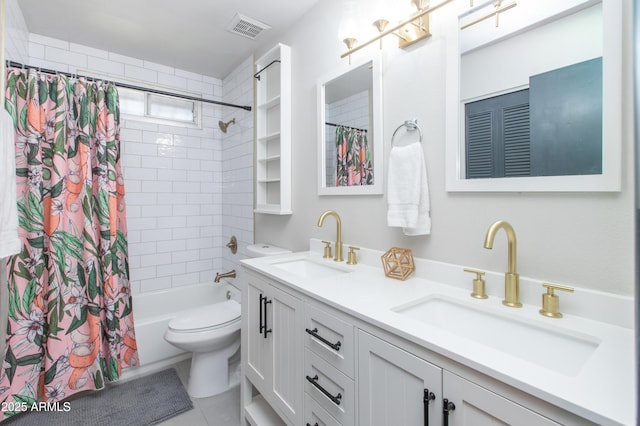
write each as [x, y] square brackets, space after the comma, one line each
[230, 274]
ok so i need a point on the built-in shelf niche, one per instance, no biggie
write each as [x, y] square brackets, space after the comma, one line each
[273, 132]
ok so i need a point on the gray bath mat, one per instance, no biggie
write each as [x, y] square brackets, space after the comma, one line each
[145, 401]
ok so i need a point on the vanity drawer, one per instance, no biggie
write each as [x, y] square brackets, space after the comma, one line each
[330, 388]
[315, 415]
[330, 338]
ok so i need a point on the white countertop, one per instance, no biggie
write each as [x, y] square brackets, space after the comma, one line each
[603, 390]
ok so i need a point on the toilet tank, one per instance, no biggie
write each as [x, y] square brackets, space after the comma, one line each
[261, 250]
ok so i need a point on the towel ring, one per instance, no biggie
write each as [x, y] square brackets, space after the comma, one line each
[411, 125]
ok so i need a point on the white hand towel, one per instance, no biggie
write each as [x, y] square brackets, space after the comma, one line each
[9, 242]
[408, 190]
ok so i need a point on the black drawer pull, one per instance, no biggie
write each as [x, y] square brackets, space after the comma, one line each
[314, 381]
[315, 424]
[426, 398]
[262, 298]
[266, 330]
[314, 333]
[447, 408]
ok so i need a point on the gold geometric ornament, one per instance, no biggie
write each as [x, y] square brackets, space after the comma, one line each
[398, 263]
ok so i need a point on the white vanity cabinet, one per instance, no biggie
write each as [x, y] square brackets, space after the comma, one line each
[477, 406]
[307, 362]
[395, 386]
[272, 347]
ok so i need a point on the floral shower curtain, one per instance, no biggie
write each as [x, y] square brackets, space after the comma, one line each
[70, 320]
[354, 165]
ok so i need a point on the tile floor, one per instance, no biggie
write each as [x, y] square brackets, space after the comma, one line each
[219, 410]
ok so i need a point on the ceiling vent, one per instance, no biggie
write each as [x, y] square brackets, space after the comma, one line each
[246, 27]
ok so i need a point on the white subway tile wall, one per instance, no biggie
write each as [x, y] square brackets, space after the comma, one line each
[17, 34]
[237, 164]
[187, 189]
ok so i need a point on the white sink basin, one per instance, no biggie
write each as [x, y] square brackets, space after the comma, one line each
[563, 351]
[308, 268]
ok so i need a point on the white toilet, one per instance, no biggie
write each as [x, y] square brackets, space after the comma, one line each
[212, 334]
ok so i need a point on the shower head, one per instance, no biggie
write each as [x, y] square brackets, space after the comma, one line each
[224, 126]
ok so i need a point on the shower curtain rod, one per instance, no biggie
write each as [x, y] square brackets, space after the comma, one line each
[342, 125]
[130, 86]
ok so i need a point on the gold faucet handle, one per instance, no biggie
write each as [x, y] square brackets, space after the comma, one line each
[551, 301]
[327, 249]
[351, 256]
[479, 290]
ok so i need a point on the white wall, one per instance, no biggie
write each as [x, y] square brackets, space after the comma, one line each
[585, 240]
[182, 184]
[237, 164]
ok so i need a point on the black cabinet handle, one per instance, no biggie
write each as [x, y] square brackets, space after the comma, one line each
[314, 381]
[426, 398]
[315, 424]
[447, 407]
[314, 333]
[266, 329]
[261, 313]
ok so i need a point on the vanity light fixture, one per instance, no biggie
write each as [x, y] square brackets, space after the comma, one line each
[348, 25]
[410, 30]
[498, 9]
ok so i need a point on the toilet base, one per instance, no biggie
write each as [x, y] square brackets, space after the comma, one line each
[209, 374]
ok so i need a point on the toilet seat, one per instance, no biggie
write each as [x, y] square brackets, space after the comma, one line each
[209, 317]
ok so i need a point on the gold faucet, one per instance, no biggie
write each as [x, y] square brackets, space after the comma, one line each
[230, 274]
[338, 250]
[511, 278]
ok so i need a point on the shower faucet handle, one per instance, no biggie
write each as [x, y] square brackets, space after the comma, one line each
[233, 244]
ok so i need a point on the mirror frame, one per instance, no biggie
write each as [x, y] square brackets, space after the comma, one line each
[376, 129]
[608, 181]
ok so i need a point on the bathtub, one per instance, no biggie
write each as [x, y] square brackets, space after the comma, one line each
[152, 312]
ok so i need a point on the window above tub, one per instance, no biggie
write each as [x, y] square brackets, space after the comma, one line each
[160, 109]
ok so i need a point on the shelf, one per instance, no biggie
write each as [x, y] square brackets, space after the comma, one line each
[272, 209]
[259, 413]
[269, 137]
[270, 103]
[270, 158]
[273, 132]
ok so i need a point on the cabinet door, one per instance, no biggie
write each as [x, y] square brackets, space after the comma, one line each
[477, 406]
[255, 346]
[284, 316]
[392, 384]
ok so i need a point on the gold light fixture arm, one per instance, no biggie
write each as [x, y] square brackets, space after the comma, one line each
[397, 27]
[495, 13]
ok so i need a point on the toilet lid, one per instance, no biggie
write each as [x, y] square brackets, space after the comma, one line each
[208, 316]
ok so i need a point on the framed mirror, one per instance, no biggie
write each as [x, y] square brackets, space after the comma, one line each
[559, 60]
[350, 146]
